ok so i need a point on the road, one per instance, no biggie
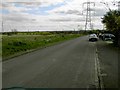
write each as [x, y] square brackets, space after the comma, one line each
[70, 64]
[109, 63]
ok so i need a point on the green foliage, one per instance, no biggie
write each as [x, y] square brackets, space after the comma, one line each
[14, 44]
[112, 22]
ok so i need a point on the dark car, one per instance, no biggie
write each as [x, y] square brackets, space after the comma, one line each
[107, 37]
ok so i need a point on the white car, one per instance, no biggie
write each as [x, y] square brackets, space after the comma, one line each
[93, 37]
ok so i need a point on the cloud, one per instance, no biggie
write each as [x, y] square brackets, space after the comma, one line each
[11, 7]
[35, 2]
[72, 18]
[28, 4]
[61, 20]
[76, 12]
[99, 12]
[17, 18]
[50, 14]
[31, 6]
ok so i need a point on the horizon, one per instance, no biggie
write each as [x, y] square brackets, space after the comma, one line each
[55, 15]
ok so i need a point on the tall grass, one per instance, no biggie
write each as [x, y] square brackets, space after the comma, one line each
[12, 45]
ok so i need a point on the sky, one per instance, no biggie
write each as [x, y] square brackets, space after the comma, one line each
[52, 15]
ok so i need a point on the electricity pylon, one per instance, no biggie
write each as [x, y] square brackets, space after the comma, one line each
[119, 6]
[88, 11]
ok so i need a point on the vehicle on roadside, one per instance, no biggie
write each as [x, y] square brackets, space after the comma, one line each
[108, 37]
[100, 35]
[93, 37]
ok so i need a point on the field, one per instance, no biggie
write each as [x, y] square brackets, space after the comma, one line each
[14, 45]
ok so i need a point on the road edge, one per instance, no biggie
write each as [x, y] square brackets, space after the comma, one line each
[98, 78]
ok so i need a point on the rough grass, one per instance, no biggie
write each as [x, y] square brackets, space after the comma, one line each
[12, 45]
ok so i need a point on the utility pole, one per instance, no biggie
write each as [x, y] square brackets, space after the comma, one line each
[88, 21]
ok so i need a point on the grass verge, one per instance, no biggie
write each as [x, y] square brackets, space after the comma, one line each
[16, 45]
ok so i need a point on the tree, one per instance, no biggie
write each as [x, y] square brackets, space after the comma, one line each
[118, 30]
[109, 20]
[112, 22]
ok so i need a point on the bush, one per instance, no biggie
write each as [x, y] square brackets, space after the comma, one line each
[18, 43]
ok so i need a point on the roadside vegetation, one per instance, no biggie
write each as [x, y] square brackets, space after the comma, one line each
[0, 49]
[111, 20]
[13, 45]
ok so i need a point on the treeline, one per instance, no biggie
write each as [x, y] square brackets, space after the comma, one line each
[44, 32]
[111, 20]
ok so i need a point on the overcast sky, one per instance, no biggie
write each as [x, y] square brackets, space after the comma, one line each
[56, 15]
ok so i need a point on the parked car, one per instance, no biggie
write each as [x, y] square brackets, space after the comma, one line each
[93, 37]
[107, 37]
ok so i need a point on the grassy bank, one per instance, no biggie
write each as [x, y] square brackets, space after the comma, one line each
[19, 44]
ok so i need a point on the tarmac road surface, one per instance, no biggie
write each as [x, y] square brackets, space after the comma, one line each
[70, 64]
